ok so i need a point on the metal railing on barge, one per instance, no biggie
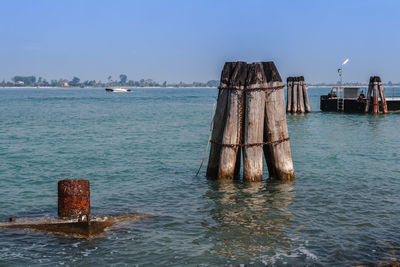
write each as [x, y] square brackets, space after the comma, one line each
[392, 93]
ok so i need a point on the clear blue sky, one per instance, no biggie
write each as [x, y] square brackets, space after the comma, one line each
[190, 40]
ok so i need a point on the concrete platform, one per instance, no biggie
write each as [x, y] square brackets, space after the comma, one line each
[93, 228]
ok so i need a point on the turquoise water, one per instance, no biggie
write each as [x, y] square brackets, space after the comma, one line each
[141, 151]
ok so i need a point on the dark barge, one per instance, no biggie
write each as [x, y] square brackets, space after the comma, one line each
[353, 100]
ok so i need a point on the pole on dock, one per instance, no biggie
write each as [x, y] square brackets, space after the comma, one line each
[294, 95]
[382, 95]
[73, 198]
[289, 92]
[300, 98]
[376, 92]
[305, 95]
[375, 96]
[250, 118]
[368, 100]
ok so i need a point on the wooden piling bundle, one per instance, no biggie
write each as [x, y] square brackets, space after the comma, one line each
[297, 96]
[250, 118]
[376, 92]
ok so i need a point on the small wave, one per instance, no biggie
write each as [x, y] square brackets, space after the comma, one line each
[283, 258]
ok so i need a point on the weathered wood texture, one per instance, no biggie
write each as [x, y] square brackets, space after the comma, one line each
[376, 92]
[294, 95]
[305, 95]
[278, 155]
[297, 100]
[369, 93]
[251, 111]
[382, 96]
[300, 98]
[219, 121]
[233, 129]
[254, 123]
[289, 93]
[375, 97]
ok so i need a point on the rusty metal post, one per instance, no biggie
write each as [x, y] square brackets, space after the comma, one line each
[73, 198]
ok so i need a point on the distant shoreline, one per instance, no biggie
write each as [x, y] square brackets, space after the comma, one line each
[96, 87]
[168, 87]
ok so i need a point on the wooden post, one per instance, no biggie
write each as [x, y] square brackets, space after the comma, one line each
[233, 129]
[368, 99]
[300, 98]
[278, 155]
[219, 121]
[289, 83]
[294, 96]
[305, 95]
[382, 95]
[375, 97]
[73, 198]
[254, 123]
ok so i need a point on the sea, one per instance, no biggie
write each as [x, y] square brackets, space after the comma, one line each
[141, 151]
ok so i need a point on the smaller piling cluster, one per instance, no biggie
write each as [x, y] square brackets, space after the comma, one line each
[297, 96]
[376, 91]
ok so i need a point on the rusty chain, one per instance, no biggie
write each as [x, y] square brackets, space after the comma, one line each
[253, 144]
[253, 89]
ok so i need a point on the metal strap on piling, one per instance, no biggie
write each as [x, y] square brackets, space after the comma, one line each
[252, 144]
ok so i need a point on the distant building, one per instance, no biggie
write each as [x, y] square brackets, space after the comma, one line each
[65, 84]
[20, 83]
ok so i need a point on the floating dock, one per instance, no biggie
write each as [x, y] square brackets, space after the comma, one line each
[356, 100]
[73, 214]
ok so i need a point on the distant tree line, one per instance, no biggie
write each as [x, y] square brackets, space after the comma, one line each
[20, 81]
[389, 83]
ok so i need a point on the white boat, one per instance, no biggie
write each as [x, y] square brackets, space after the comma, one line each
[117, 90]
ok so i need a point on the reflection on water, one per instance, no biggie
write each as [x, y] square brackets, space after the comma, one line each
[298, 118]
[251, 218]
[374, 121]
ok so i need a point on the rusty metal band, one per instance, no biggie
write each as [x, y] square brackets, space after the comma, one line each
[252, 144]
[252, 89]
